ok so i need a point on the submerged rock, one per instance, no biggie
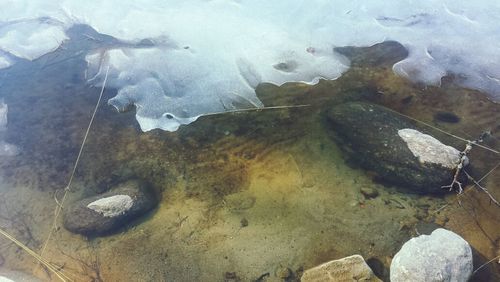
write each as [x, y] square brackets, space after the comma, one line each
[369, 192]
[353, 268]
[385, 53]
[446, 117]
[380, 140]
[441, 256]
[103, 214]
[284, 273]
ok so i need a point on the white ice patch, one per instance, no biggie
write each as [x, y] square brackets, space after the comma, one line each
[4, 110]
[430, 150]
[112, 206]
[208, 56]
[4, 62]
[6, 149]
[31, 39]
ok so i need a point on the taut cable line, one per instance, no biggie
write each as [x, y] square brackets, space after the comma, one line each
[60, 204]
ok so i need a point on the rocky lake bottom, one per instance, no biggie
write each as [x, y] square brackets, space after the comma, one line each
[241, 196]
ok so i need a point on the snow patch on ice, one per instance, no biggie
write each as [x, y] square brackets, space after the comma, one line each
[208, 56]
[31, 39]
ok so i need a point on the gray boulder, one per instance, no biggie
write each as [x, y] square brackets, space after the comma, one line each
[441, 256]
[382, 141]
[105, 213]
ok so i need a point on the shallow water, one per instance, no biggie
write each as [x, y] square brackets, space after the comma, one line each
[242, 194]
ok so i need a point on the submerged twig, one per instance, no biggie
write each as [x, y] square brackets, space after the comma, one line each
[485, 264]
[461, 165]
[458, 170]
[468, 190]
[90, 265]
[492, 199]
[41, 260]
[256, 109]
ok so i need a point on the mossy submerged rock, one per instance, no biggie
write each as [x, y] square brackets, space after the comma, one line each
[382, 141]
[105, 213]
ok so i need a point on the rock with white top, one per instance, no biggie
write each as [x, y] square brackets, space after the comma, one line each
[380, 140]
[112, 206]
[430, 150]
[105, 213]
[442, 256]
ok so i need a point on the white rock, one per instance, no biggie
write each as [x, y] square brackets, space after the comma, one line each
[112, 206]
[441, 256]
[353, 268]
[5, 279]
[430, 150]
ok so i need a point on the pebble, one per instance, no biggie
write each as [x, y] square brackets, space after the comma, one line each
[244, 222]
[369, 192]
[284, 273]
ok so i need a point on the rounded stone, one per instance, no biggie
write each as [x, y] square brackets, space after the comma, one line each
[442, 256]
[284, 273]
[353, 268]
[369, 192]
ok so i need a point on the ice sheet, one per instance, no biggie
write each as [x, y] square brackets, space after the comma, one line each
[201, 56]
[31, 39]
[4, 62]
